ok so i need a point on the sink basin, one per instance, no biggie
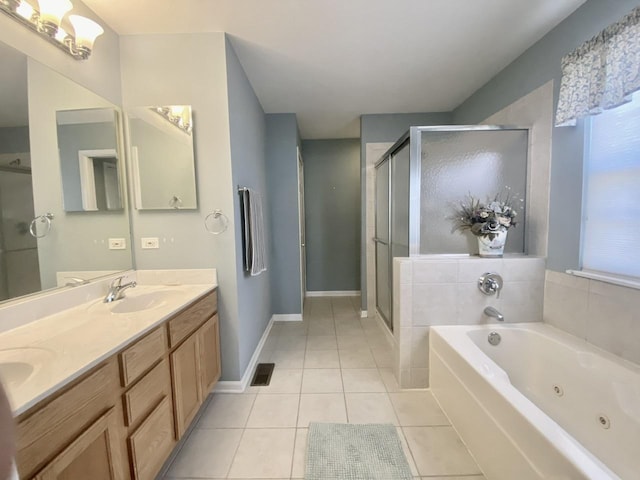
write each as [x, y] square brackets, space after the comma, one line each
[14, 374]
[17, 365]
[145, 301]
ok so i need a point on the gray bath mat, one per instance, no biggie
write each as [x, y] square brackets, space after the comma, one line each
[337, 451]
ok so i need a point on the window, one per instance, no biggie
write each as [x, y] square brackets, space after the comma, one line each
[611, 202]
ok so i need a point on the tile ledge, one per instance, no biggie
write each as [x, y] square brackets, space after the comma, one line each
[621, 280]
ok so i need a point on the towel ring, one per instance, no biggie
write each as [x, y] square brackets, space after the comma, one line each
[216, 215]
[46, 219]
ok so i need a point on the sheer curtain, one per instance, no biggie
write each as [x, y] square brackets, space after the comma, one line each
[602, 73]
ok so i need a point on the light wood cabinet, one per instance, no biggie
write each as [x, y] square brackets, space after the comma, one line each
[152, 442]
[185, 372]
[45, 431]
[140, 399]
[121, 420]
[209, 351]
[138, 358]
[191, 318]
[195, 367]
[95, 454]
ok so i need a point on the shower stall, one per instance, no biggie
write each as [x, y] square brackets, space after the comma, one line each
[19, 268]
[424, 176]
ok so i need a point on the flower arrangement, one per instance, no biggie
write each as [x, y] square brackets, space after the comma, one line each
[486, 219]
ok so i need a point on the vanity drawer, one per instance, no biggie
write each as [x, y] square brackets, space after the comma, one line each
[137, 359]
[147, 392]
[189, 320]
[152, 442]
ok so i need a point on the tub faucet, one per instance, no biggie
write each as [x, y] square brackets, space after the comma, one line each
[492, 312]
[116, 290]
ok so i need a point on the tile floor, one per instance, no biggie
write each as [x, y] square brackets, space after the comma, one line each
[332, 367]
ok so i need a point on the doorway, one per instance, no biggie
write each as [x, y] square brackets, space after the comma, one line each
[301, 228]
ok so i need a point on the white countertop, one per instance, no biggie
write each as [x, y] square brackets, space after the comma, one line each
[63, 346]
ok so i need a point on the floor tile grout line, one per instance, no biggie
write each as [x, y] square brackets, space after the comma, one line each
[235, 452]
[406, 442]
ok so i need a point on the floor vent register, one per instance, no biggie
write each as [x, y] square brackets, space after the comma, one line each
[262, 377]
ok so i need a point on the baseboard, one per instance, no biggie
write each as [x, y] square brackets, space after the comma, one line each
[332, 293]
[364, 314]
[239, 386]
[290, 317]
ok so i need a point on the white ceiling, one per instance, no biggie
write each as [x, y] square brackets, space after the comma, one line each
[331, 60]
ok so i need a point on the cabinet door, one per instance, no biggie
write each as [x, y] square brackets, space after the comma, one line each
[152, 442]
[94, 454]
[209, 347]
[187, 394]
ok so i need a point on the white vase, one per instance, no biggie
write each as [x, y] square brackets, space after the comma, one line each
[492, 248]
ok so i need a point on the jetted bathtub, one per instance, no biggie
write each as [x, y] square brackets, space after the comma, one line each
[541, 404]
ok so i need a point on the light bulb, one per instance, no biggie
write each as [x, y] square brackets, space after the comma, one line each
[51, 13]
[176, 110]
[86, 32]
[186, 115]
[25, 10]
[61, 35]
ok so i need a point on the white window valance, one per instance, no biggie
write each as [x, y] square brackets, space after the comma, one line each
[602, 73]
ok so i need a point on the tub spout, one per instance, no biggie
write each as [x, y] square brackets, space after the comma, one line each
[492, 312]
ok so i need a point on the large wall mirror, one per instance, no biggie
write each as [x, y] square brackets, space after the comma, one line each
[32, 175]
[162, 160]
[19, 269]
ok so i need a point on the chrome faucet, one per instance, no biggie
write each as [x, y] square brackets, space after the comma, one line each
[492, 312]
[116, 290]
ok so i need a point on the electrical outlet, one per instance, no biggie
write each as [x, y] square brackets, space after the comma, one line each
[117, 244]
[150, 242]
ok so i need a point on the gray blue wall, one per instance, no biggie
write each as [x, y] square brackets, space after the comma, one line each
[385, 128]
[14, 140]
[332, 213]
[282, 180]
[389, 127]
[534, 68]
[247, 127]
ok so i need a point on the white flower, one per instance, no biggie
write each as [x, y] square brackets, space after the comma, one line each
[484, 214]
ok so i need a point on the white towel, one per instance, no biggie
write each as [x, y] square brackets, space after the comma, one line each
[256, 229]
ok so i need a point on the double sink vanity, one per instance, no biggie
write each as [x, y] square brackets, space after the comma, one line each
[106, 390]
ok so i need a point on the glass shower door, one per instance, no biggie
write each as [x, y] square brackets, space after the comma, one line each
[382, 241]
[392, 224]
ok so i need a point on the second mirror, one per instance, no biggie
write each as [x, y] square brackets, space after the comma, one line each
[162, 160]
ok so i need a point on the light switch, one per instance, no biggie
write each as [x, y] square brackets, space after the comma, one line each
[117, 244]
[150, 242]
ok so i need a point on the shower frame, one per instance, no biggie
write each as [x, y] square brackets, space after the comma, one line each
[414, 138]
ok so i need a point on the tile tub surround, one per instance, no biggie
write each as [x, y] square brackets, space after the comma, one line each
[601, 313]
[262, 433]
[439, 290]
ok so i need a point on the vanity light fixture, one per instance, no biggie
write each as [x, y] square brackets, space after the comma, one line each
[46, 22]
[178, 115]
